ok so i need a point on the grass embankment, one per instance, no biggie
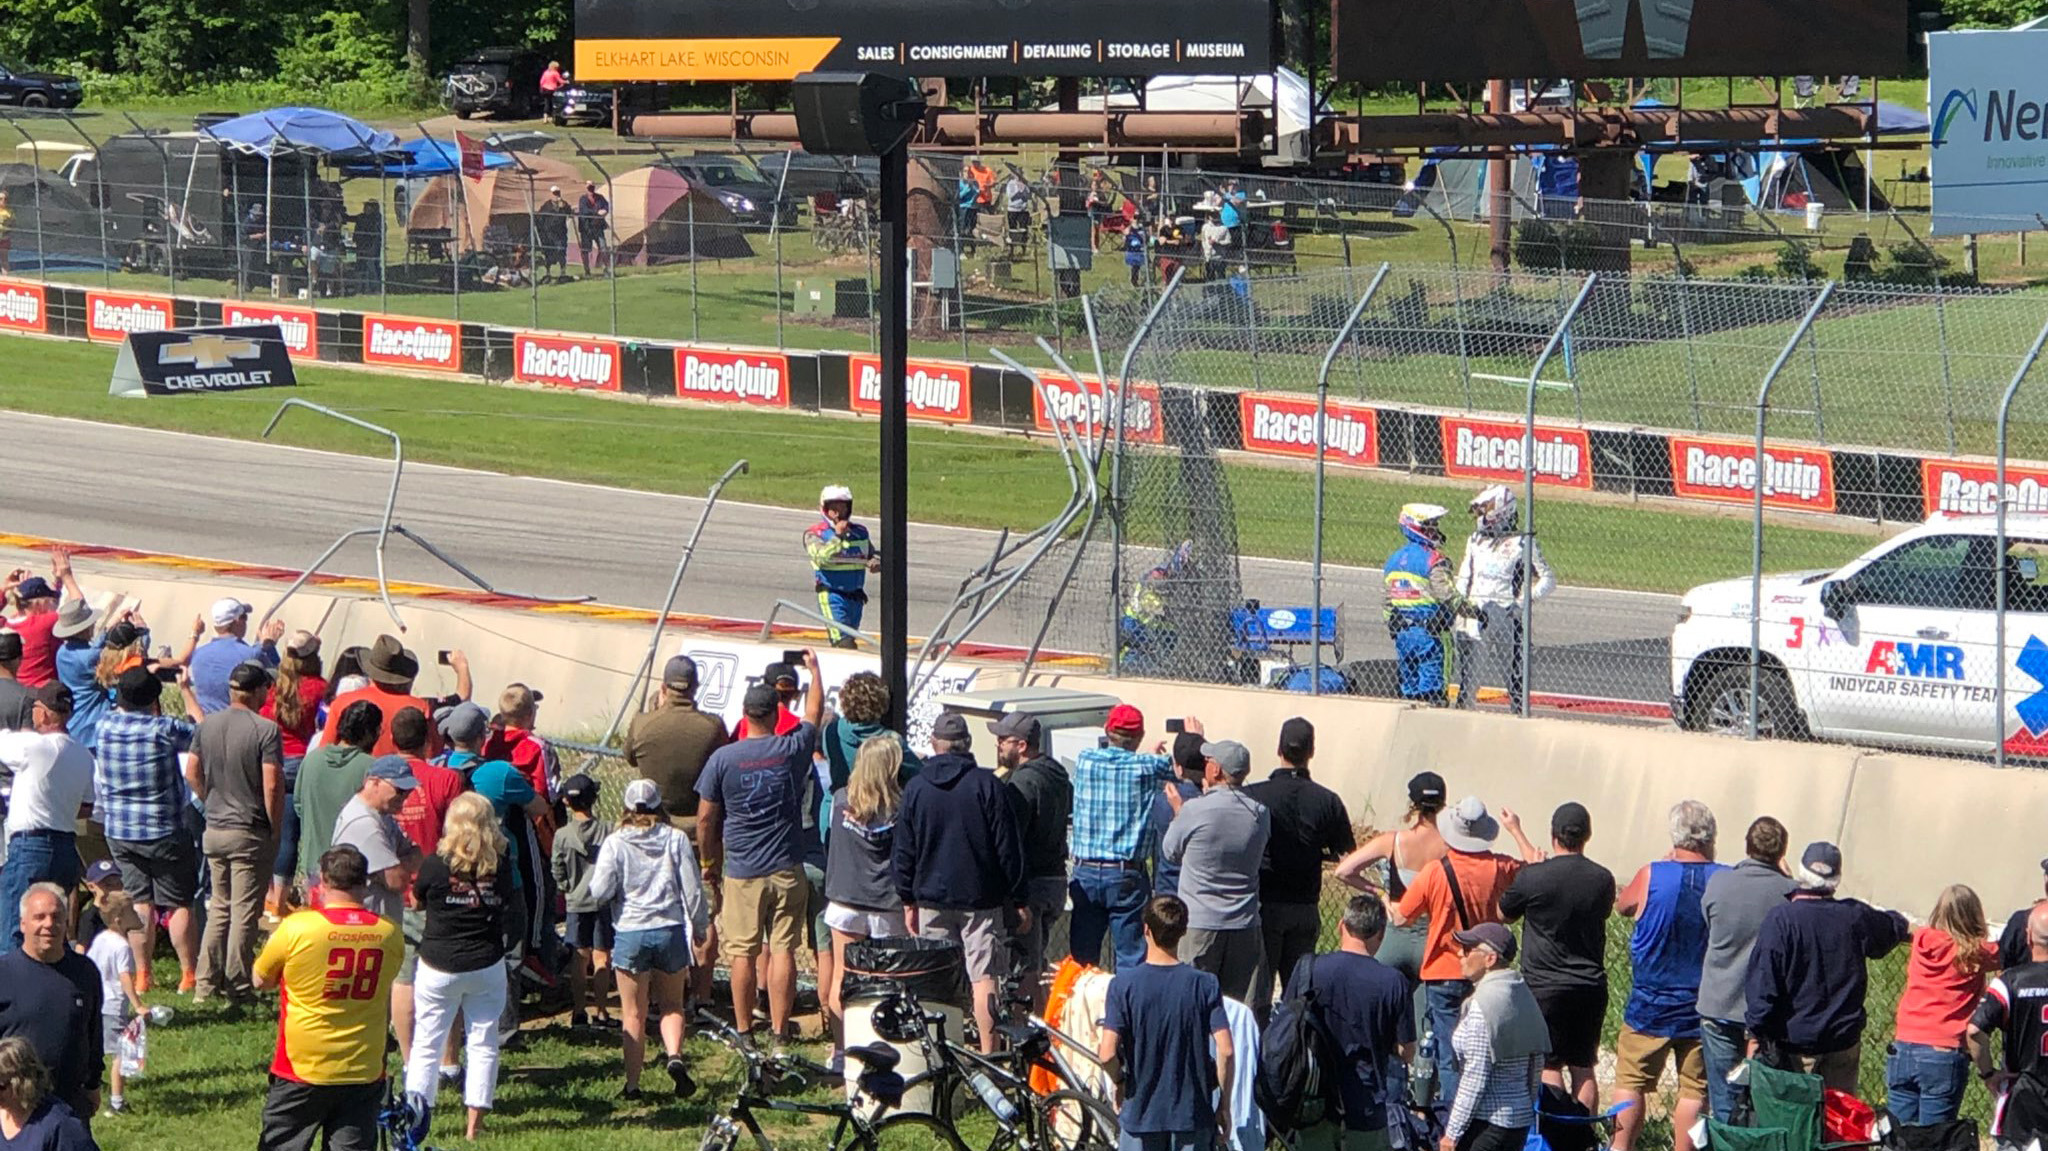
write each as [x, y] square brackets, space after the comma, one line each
[963, 478]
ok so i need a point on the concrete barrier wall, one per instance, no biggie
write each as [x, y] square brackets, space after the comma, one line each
[1908, 825]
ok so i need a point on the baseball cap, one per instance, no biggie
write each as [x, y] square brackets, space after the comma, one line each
[249, 675]
[1017, 725]
[779, 674]
[226, 611]
[1123, 717]
[56, 697]
[1426, 788]
[1823, 859]
[464, 723]
[680, 672]
[1493, 936]
[1571, 821]
[10, 645]
[1233, 757]
[123, 633]
[760, 701]
[578, 786]
[303, 644]
[1297, 738]
[642, 795]
[35, 587]
[950, 725]
[395, 768]
[101, 870]
[136, 689]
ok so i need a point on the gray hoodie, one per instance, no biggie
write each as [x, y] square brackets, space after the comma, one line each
[649, 876]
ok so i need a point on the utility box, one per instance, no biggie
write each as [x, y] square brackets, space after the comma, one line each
[831, 299]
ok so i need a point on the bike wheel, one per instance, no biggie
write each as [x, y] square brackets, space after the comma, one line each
[721, 1134]
[1073, 1121]
[910, 1132]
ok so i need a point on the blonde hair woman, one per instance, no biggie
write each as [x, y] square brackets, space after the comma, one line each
[470, 898]
[860, 881]
[1945, 972]
[29, 1115]
[647, 871]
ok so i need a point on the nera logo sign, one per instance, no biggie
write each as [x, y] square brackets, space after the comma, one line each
[23, 307]
[404, 343]
[1972, 489]
[300, 326]
[566, 363]
[1726, 471]
[759, 379]
[932, 389]
[1084, 403]
[1287, 426]
[114, 315]
[1487, 450]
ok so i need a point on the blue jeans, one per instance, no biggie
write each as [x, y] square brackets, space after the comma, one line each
[1108, 899]
[33, 858]
[287, 864]
[1445, 996]
[1924, 1085]
[1723, 1047]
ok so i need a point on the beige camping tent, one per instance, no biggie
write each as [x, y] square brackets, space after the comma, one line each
[503, 198]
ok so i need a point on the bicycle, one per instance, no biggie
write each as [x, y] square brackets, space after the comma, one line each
[878, 1088]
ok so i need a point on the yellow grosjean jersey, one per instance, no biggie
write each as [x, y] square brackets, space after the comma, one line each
[334, 1002]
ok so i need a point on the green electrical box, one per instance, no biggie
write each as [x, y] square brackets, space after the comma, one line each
[831, 299]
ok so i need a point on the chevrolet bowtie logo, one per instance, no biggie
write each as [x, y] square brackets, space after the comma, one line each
[208, 352]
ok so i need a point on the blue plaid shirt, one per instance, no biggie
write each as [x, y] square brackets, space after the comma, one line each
[1113, 791]
[138, 788]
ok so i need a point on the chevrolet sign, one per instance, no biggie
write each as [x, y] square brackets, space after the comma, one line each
[187, 360]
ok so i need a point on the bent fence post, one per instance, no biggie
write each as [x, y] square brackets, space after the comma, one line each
[1756, 553]
[1315, 647]
[668, 603]
[1998, 557]
[1112, 428]
[383, 528]
[1550, 347]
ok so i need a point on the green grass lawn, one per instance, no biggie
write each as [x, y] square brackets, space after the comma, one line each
[963, 478]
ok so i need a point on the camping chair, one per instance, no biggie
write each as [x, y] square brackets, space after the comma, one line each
[1563, 1123]
[1116, 224]
[1725, 1137]
[1788, 1100]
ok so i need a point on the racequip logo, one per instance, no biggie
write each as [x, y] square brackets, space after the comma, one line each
[1487, 450]
[111, 315]
[566, 363]
[1286, 426]
[1083, 403]
[23, 307]
[932, 389]
[300, 326]
[733, 377]
[412, 343]
[1726, 471]
[1971, 489]
[1917, 660]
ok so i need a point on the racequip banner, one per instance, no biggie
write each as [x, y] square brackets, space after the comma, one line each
[115, 315]
[566, 361]
[628, 40]
[1799, 478]
[1286, 426]
[759, 379]
[932, 389]
[24, 307]
[400, 342]
[1972, 488]
[1082, 401]
[301, 326]
[1490, 450]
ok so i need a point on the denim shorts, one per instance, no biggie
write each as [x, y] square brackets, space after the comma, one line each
[664, 949]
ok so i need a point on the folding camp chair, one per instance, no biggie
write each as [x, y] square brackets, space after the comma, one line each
[1788, 1100]
[1725, 1137]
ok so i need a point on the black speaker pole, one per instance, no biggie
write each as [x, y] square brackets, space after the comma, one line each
[895, 348]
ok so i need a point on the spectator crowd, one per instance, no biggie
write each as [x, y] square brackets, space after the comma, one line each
[405, 866]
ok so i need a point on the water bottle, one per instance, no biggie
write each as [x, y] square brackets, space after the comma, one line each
[160, 1015]
[993, 1097]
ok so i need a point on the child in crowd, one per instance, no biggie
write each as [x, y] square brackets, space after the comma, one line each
[589, 925]
[119, 1001]
[102, 879]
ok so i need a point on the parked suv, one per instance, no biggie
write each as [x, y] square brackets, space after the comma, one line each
[24, 88]
[497, 82]
[1896, 647]
[739, 186]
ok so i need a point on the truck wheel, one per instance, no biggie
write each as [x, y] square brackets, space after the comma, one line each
[1722, 704]
[35, 100]
[464, 113]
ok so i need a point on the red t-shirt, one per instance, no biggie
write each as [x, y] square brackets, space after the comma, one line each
[785, 722]
[1935, 1009]
[392, 702]
[426, 806]
[311, 688]
[38, 648]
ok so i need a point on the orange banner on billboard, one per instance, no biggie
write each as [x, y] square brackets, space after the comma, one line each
[745, 58]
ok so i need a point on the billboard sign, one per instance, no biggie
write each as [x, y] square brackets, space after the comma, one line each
[402, 342]
[621, 40]
[1989, 144]
[566, 361]
[932, 389]
[1379, 41]
[758, 379]
[190, 361]
[1288, 426]
[1725, 471]
[1493, 450]
[300, 326]
[24, 307]
[1085, 403]
[114, 315]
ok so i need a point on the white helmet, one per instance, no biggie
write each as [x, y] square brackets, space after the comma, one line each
[1495, 509]
[835, 493]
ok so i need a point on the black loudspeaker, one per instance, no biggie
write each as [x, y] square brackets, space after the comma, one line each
[854, 113]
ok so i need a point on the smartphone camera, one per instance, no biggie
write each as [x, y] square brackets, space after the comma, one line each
[1176, 726]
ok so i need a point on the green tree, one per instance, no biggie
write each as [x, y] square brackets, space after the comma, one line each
[1993, 13]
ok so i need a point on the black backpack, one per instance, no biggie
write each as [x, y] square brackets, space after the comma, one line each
[1296, 1055]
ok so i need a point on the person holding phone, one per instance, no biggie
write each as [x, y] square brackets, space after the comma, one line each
[842, 555]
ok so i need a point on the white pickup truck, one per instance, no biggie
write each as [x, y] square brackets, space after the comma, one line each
[1895, 647]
